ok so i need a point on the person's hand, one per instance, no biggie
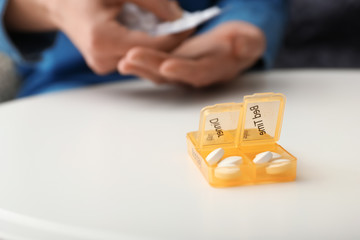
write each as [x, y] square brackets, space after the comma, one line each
[93, 27]
[213, 57]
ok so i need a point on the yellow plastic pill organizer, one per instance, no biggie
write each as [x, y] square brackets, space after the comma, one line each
[243, 129]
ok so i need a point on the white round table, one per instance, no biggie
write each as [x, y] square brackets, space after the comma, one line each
[110, 162]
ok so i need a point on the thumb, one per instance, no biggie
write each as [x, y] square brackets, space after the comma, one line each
[248, 46]
[240, 46]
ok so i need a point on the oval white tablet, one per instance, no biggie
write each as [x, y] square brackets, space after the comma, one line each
[275, 155]
[227, 173]
[215, 156]
[278, 166]
[230, 161]
[263, 157]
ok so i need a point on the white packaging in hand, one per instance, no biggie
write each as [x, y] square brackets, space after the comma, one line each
[136, 18]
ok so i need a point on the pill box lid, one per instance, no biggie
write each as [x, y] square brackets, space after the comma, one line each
[219, 125]
[261, 119]
[256, 121]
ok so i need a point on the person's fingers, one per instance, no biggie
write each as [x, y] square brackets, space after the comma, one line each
[146, 58]
[164, 43]
[107, 36]
[204, 71]
[247, 52]
[161, 67]
[201, 61]
[197, 73]
[131, 69]
[164, 9]
[102, 65]
[117, 39]
[109, 40]
[245, 48]
[247, 41]
[199, 46]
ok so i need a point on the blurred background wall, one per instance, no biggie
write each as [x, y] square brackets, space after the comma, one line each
[322, 33]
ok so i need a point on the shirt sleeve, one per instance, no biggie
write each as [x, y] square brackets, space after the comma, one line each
[269, 15]
[23, 47]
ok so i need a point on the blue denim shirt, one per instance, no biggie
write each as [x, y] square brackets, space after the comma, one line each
[50, 62]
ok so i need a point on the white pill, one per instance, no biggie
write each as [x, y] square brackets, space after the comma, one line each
[275, 155]
[278, 166]
[232, 161]
[262, 157]
[227, 173]
[215, 156]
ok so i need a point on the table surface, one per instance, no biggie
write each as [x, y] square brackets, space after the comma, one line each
[110, 162]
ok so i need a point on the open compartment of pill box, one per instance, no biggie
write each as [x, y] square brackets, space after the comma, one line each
[236, 143]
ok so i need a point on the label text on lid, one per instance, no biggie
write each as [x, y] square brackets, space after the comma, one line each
[216, 124]
[258, 122]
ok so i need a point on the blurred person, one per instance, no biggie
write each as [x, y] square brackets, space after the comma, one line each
[65, 44]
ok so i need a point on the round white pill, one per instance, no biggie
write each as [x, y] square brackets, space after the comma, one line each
[227, 173]
[230, 161]
[275, 155]
[278, 166]
[263, 157]
[215, 156]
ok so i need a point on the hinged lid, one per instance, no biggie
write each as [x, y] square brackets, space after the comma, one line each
[257, 121]
[262, 118]
[219, 124]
